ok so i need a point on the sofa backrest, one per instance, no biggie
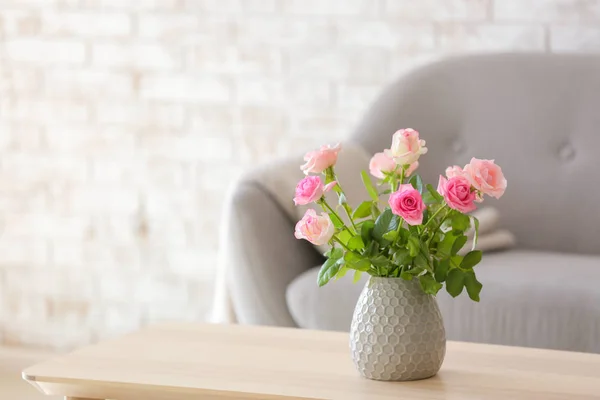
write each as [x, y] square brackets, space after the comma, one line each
[537, 115]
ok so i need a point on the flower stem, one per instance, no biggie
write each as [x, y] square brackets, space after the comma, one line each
[401, 181]
[350, 218]
[335, 238]
[400, 223]
[323, 203]
[344, 206]
[438, 226]
[434, 215]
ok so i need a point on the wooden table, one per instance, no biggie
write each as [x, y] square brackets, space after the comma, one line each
[12, 362]
[193, 361]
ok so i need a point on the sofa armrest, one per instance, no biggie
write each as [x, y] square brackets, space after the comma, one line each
[262, 256]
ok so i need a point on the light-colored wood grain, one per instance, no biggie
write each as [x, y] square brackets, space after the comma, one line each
[212, 362]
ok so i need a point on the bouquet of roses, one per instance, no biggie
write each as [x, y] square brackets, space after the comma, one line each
[418, 234]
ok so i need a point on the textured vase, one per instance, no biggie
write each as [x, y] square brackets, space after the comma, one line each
[397, 331]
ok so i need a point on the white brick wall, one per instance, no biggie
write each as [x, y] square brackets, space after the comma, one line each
[186, 88]
[45, 51]
[132, 56]
[122, 122]
[91, 24]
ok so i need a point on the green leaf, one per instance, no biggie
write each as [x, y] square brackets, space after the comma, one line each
[341, 273]
[380, 261]
[365, 231]
[403, 236]
[414, 244]
[428, 198]
[356, 243]
[476, 237]
[344, 236]
[458, 244]
[411, 272]
[329, 269]
[455, 282]
[434, 193]
[352, 257]
[361, 265]
[390, 236]
[416, 271]
[425, 250]
[406, 275]
[375, 210]
[444, 248]
[425, 216]
[356, 261]
[455, 261]
[363, 210]
[334, 253]
[385, 222]
[342, 199]
[429, 285]
[471, 259]
[473, 285]
[338, 223]
[402, 257]
[369, 185]
[373, 249]
[436, 238]
[421, 261]
[416, 182]
[460, 222]
[441, 270]
[357, 275]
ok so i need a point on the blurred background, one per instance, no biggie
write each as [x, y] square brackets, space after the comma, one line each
[123, 123]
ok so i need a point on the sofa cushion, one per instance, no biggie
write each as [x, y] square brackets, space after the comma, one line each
[533, 299]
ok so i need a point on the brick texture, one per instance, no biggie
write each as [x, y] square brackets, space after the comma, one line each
[123, 122]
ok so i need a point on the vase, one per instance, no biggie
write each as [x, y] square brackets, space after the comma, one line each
[397, 331]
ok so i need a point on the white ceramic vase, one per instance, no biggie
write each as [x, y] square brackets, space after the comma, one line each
[397, 331]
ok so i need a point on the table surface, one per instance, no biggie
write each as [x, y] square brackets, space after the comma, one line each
[12, 362]
[185, 361]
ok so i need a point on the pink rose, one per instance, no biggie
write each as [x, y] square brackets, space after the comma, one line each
[407, 203]
[380, 164]
[411, 168]
[311, 189]
[317, 229]
[457, 193]
[453, 171]
[318, 161]
[406, 147]
[486, 176]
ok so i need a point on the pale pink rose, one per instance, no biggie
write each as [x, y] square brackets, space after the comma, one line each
[486, 177]
[380, 164]
[412, 168]
[453, 171]
[317, 229]
[406, 147]
[311, 189]
[407, 203]
[457, 193]
[318, 161]
[329, 186]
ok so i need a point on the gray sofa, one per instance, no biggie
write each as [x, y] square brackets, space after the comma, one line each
[539, 117]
